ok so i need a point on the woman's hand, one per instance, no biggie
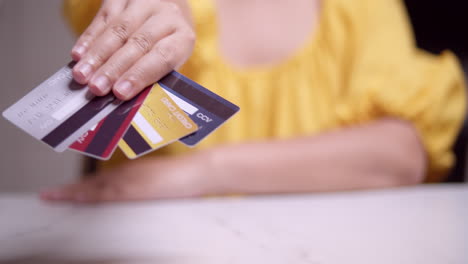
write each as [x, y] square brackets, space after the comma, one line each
[131, 44]
[154, 178]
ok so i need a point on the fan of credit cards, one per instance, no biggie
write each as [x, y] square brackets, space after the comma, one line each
[65, 115]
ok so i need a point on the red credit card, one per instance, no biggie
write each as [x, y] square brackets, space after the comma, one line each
[101, 141]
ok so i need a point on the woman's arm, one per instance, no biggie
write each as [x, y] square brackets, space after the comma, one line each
[384, 153]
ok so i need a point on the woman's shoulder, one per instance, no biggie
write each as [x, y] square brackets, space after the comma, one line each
[365, 9]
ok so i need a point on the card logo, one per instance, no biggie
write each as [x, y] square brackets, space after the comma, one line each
[204, 117]
[176, 113]
[66, 74]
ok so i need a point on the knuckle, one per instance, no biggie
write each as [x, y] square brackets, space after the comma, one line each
[172, 7]
[112, 70]
[190, 37]
[142, 42]
[96, 58]
[171, 26]
[86, 38]
[137, 74]
[105, 13]
[167, 54]
[108, 5]
[120, 31]
[105, 17]
[86, 35]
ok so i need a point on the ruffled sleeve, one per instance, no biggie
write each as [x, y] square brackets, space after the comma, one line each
[391, 78]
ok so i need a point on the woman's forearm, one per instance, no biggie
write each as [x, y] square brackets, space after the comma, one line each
[385, 153]
[382, 154]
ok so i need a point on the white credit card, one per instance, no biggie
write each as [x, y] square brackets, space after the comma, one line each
[59, 110]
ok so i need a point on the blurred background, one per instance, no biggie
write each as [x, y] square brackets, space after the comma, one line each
[35, 42]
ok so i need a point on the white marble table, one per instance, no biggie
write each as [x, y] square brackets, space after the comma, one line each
[405, 226]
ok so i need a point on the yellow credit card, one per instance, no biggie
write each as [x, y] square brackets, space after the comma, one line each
[158, 122]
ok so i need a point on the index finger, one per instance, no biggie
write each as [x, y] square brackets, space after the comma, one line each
[105, 14]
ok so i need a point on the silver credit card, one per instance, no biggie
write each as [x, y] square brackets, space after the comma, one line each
[59, 110]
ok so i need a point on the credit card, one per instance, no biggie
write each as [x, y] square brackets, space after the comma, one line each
[207, 109]
[59, 110]
[158, 122]
[101, 141]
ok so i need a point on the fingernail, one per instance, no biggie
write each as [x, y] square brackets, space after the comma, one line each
[84, 69]
[124, 88]
[102, 83]
[79, 50]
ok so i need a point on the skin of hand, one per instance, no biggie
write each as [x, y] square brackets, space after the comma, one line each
[150, 178]
[131, 44]
[382, 154]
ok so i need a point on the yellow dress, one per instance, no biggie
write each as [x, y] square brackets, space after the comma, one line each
[362, 64]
